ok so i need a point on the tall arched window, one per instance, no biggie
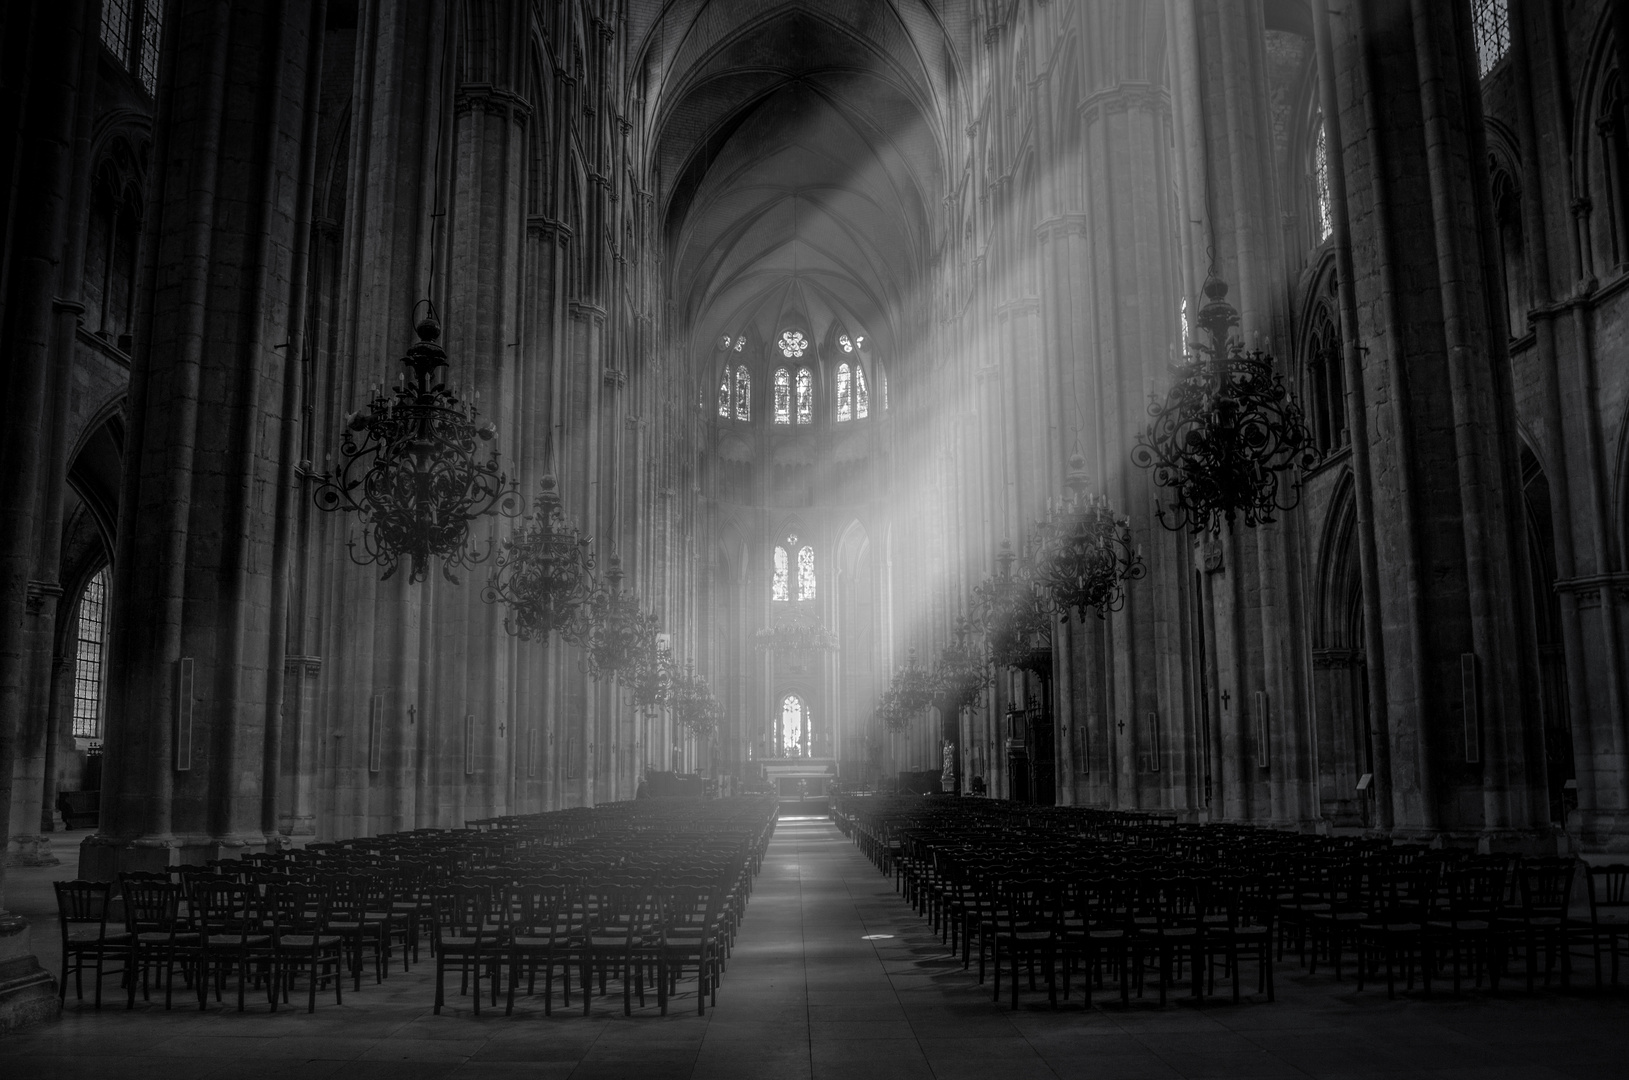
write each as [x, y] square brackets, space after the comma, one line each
[862, 394]
[724, 394]
[89, 656]
[806, 573]
[780, 585]
[783, 396]
[743, 393]
[1320, 184]
[1507, 214]
[1490, 27]
[805, 396]
[1326, 381]
[109, 275]
[131, 31]
[794, 721]
[845, 404]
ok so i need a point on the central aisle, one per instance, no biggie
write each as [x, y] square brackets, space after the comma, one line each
[807, 994]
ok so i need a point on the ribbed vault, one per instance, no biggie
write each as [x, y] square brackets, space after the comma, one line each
[798, 156]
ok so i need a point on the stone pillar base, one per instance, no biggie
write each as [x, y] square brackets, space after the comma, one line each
[1604, 832]
[104, 858]
[30, 849]
[28, 993]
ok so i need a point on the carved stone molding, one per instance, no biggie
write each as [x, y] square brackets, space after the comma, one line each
[615, 378]
[1331, 659]
[492, 101]
[1061, 226]
[1589, 591]
[539, 225]
[309, 666]
[37, 592]
[584, 312]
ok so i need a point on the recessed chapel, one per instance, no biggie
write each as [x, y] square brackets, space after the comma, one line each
[436, 412]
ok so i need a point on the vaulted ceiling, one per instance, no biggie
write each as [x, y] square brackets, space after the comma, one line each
[799, 156]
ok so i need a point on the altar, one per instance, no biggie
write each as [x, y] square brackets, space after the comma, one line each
[803, 784]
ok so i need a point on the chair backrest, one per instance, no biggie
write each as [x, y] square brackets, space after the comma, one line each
[463, 911]
[1546, 886]
[295, 908]
[83, 902]
[1608, 888]
[150, 906]
[225, 908]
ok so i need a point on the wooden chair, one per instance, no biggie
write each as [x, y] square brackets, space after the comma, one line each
[160, 936]
[544, 927]
[82, 904]
[301, 941]
[466, 940]
[1608, 926]
[231, 934]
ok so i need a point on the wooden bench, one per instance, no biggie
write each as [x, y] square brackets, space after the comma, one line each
[80, 809]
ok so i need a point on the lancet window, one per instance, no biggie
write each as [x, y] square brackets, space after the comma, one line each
[89, 657]
[792, 726]
[783, 396]
[1320, 184]
[806, 573]
[805, 400]
[743, 393]
[1490, 28]
[780, 584]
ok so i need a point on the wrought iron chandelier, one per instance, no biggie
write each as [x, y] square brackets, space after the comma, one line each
[414, 473]
[1084, 552]
[890, 713]
[650, 680]
[961, 673]
[1229, 439]
[1013, 616]
[909, 692]
[622, 634]
[543, 573]
[695, 709]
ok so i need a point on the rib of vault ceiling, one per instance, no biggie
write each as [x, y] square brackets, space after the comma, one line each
[797, 159]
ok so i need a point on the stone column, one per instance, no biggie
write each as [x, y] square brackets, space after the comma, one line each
[191, 643]
[1466, 749]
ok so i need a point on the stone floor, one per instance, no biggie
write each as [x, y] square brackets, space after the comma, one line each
[811, 993]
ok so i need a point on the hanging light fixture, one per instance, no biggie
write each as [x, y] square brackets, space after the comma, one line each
[543, 573]
[414, 471]
[695, 709]
[650, 680]
[1084, 553]
[621, 639]
[960, 674]
[908, 694]
[1229, 439]
[1013, 616]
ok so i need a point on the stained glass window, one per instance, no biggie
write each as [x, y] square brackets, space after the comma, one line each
[724, 395]
[862, 394]
[152, 26]
[806, 573]
[724, 342]
[739, 342]
[780, 587]
[845, 343]
[793, 343]
[743, 393]
[845, 407]
[88, 659]
[783, 396]
[805, 396]
[1320, 181]
[1182, 328]
[116, 18]
[1490, 27]
[791, 740]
